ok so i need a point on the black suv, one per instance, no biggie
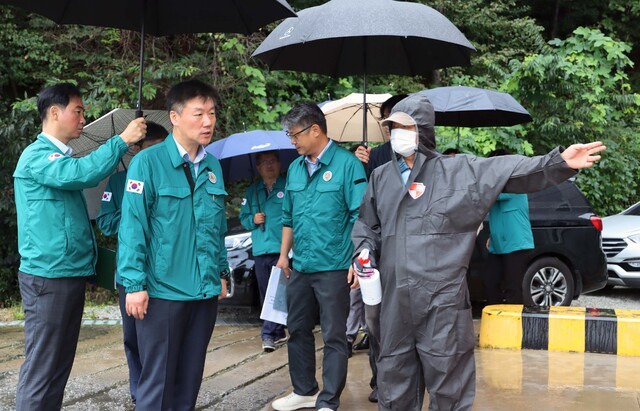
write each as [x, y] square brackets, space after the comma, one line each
[567, 260]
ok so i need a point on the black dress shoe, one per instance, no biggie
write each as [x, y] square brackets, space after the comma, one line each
[373, 397]
[363, 344]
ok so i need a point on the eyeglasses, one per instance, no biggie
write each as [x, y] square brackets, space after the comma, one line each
[295, 135]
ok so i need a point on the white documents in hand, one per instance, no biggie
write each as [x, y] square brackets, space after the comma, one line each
[274, 308]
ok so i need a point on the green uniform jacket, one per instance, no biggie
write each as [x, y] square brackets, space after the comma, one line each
[171, 242]
[321, 210]
[267, 241]
[108, 219]
[55, 237]
[509, 224]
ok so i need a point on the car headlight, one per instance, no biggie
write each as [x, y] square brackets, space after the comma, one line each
[237, 241]
[635, 238]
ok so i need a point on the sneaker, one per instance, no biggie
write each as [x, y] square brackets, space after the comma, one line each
[268, 345]
[281, 340]
[294, 401]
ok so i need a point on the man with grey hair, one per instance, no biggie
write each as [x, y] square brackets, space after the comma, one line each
[419, 219]
[322, 197]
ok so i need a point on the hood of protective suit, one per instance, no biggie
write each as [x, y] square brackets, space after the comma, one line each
[420, 109]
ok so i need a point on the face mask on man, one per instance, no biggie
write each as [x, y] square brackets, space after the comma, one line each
[404, 142]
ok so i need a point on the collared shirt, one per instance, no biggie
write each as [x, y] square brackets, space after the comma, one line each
[66, 150]
[313, 166]
[199, 156]
[405, 171]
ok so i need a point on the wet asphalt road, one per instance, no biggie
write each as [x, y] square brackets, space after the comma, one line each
[239, 376]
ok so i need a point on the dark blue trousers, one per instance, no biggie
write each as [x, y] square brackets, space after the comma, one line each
[52, 317]
[309, 294]
[172, 340]
[130, 344]
[263, 264]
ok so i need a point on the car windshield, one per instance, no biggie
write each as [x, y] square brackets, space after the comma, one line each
[633, 210]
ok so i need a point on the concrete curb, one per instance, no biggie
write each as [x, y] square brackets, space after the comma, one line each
[568, 329]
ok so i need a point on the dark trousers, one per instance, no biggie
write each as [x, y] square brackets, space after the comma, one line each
[307, 294]
[509, 268]
[52, 316]
[263, 264]
[130, 344]
[172, 340]
[372, 317]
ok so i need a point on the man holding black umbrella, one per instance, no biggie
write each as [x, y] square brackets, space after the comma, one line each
[56, 242]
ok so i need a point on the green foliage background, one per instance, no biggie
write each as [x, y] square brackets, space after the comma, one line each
[571, 64]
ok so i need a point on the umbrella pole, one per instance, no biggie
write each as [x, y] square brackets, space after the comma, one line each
[364, 95]
[139, 103]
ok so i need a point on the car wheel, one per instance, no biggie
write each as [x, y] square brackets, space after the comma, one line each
[548, 281]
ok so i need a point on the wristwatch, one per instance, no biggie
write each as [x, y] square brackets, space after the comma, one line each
[225, 274]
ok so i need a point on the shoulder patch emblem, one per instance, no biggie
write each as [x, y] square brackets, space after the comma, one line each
[134, 186]
[280, 194]
[54, 156]
[212, 178]
[106, 196]
[327, 175]
[416, 190]
[244, 201]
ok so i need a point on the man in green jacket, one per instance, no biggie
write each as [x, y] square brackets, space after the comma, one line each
[261, 213]
[172, 258]
[108, 221]
[321, 202]
[56, 242]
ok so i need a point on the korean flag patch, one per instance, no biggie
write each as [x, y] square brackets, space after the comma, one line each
[244, 201]
[54, 156]
[106, 196]
[134, 186]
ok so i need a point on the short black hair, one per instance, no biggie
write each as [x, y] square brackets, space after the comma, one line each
[451, 151]
[390, 102]
[304, 115]
[267, 153]
[184, 91]
[56, 95]
[154, 132]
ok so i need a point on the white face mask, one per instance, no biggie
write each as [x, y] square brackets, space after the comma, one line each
[404, 142]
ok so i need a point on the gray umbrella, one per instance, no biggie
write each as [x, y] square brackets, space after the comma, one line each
[349, 37]
[162, 17]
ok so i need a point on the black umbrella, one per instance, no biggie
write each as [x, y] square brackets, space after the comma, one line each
[475, 107]
[349, 37]
[162, 17]
[463, 106]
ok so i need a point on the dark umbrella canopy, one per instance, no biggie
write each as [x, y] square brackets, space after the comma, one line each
[475, 107]
[163, 17]
[349, 37]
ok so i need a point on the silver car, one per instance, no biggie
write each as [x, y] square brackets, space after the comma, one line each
[621, 244]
